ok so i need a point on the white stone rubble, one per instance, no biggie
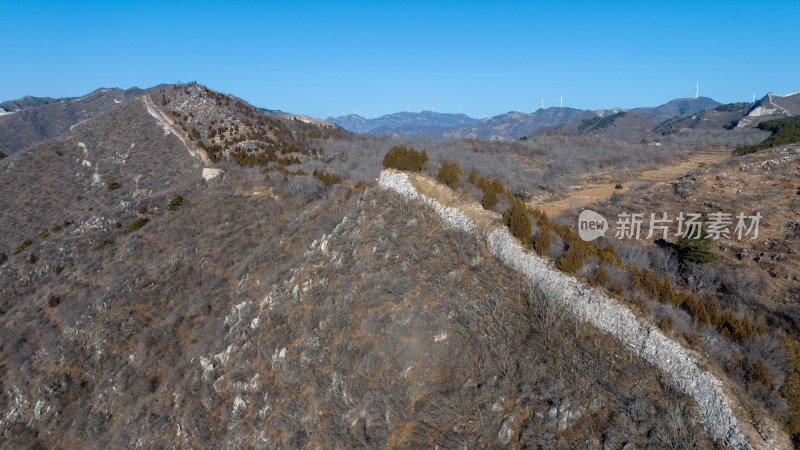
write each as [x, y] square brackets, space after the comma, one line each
[210, 173]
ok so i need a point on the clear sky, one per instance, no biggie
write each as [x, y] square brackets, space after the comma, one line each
[478, 57]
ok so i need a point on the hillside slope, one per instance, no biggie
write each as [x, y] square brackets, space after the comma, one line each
[623, 126]
[677, 107]
[253, 314]
[718, 118]
[388, 329]
[31, 119]
[771, 106]
[715, 402]
[192, 273]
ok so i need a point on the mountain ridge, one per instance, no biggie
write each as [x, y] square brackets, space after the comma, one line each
[356, 123]
[31, 120]
[510, 125]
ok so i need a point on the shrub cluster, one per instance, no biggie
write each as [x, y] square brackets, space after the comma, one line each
[731, 107]
[402, 158]
[175, 203]
[543, 241]
[598, 123]
[102, 244]
[695, 251]
[600, 277]
[490, 189]
[448, 174]
[25, 244]
[326, 178]
[139, 223]
[518, 222]
[42, 235]
[784, 131]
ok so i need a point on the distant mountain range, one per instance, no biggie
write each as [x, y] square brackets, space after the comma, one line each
[401, 120]
[616, 123]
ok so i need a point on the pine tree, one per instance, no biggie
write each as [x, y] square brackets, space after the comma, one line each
[695, 251]
[489, 199]
[448, 174]
[517, 220]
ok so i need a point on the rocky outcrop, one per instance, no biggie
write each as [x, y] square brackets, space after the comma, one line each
[211, 173]
[594, 307]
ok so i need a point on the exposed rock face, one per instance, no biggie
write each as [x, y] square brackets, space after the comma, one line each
[211, 173]
[592, 306]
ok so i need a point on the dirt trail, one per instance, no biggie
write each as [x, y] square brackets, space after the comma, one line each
[589, 194]
[169, 127]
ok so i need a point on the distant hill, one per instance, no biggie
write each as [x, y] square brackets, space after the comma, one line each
[515, 124]
[405, 120]
[677, 107]
[622, 126]
[720, 117]
[736, 115]
[771, 106]
[300, 117]
[23, 103]
[30, 120]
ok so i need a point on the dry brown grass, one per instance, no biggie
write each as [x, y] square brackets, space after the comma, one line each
[590, 192]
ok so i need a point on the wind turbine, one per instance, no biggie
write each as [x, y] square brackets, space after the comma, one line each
[697, 90]
[754, 95]
[562, 101]
[542, 102]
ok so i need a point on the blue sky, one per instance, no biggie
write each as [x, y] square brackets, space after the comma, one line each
[478, 57]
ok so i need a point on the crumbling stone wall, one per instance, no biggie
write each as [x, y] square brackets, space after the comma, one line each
[592, 306]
